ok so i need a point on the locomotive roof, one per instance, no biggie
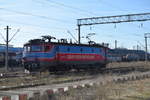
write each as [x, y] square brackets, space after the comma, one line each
[61, 43]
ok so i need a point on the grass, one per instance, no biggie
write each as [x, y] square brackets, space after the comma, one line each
[46, 78]
[129, 64]
[38, 79]
[133, 90]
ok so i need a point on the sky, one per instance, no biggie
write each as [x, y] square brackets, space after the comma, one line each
[35, 18]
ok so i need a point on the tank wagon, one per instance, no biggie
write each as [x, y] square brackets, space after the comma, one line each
[40, 54]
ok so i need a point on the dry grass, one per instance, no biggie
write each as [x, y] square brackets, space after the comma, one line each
[129, 64]
[135, 90]
[45, 78]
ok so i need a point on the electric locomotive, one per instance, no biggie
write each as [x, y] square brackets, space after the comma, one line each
[42, 54]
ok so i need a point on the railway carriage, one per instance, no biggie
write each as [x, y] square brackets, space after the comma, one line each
[40, 55]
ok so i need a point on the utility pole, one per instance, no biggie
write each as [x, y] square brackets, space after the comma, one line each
[6, 51]
[147, 35]
[137, 47]
[145, 48]
[115, 44]
[79, 38]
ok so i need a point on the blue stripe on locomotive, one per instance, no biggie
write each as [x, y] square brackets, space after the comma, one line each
[64, 49]
[77, 49]
[49, 54]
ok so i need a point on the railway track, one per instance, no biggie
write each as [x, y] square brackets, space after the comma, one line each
[82, 79]
[118, 70]
[125, 70]
[121, 70]
[75, 76]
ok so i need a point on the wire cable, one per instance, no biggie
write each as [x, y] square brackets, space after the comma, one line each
[117, 8]
[34, 15]
[33, 25]
[14, 35]
[71, 7]
[72, 35]
[2, 37]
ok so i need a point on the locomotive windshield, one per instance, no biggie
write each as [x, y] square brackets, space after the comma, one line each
[36, 48]
[27, 48]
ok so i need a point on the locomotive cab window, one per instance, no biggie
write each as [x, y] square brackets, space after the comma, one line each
[27, 48]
